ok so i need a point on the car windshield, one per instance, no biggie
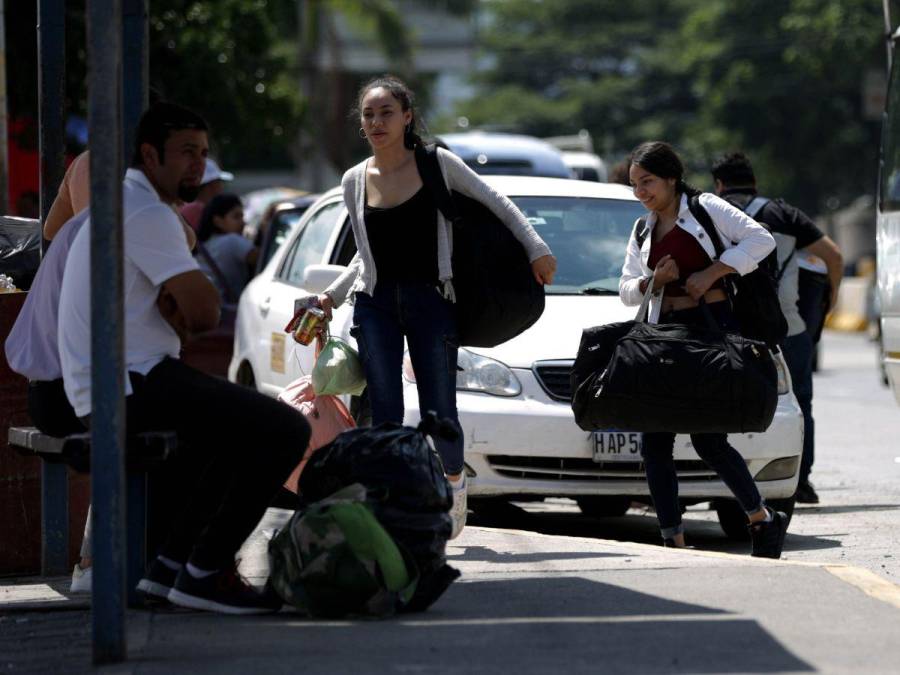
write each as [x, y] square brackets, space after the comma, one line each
[588, 236]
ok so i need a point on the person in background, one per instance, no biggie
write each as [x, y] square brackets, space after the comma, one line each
[237, 446]
[401, 279]
[680, 263]
[225, 255]
[73, 196]
[796, 235]
[213, 184]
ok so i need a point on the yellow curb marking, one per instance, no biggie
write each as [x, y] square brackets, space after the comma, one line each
[868, 582]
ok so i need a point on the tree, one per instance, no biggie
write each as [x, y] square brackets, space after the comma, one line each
[780, 80]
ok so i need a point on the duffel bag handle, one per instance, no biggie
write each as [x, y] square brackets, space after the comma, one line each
[643, 310]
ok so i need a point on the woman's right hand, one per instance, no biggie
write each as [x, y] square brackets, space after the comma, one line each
[666, 271]
[327, 304]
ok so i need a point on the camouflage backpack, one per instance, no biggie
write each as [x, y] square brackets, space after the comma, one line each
[334, 558]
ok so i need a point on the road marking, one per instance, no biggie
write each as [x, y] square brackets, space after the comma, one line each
[868, 582]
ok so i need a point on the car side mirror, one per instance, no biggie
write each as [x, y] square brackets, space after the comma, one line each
[316, 278]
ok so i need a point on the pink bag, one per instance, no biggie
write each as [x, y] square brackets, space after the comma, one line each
[327, 417]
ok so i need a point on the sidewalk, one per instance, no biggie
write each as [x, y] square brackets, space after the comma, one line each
[526, 603]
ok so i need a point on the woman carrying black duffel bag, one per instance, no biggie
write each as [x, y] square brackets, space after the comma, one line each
[401, 278]
[671, 250]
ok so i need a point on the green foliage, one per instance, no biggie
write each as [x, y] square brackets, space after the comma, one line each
[779, 79]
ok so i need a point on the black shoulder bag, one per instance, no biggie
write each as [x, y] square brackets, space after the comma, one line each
[497, 297]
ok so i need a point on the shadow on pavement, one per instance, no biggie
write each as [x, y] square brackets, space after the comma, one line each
[525, 626]
[844, 508]
[485, 554]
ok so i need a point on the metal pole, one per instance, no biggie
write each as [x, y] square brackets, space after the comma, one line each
[51, 83]
[4, 128]
[135, 68]
[888, 31]
[51, 36]
[104, 33]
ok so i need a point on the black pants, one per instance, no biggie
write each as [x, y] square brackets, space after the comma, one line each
[714, 449]
[50, 410]
[237, 447]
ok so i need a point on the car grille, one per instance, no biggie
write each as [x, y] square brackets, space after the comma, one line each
[585, 469]
[553, 376]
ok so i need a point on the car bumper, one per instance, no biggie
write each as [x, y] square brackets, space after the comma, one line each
[530, 445]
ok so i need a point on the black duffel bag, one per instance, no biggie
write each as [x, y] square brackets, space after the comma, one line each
[497, 297]
[673, 377]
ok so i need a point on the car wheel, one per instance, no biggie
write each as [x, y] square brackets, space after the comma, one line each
[732, 519]
[603, 507]
[245, 376]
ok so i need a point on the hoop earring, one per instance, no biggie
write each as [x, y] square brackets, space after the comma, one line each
[362, 132]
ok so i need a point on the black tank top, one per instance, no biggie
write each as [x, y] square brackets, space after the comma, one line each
[403, 239]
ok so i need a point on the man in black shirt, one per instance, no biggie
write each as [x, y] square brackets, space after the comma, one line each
[793, 231]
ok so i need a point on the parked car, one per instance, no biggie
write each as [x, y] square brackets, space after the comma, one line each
[514, 399]
[586, 165]
[276, 224]
[507, 154]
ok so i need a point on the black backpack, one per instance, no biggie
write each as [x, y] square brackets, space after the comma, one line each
[754, 296]
[497, 297]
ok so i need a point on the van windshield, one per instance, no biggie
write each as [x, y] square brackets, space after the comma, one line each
[588, 236]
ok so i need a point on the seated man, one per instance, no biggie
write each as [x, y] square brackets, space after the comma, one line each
[237, 445]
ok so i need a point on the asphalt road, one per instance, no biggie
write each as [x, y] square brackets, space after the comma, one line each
[857, 475]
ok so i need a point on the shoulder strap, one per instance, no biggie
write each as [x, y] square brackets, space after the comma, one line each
[755, 206]
[697, 210]
[640, 231]
[430, 172]
[783, 268]
[208, 259]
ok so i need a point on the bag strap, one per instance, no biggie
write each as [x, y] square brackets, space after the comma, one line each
[230, 297]
[430, 171]
[640, 231]
[755, 205]
[783, 268]
[706, 222]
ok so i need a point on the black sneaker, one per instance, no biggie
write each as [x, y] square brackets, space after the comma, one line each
[806, 493]
[158, 580]
[225, 591]
[768, 537]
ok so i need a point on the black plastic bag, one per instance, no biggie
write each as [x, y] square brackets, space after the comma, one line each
[20, 250]
[409, 492]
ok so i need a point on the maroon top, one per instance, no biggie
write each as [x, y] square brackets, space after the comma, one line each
[688, 255]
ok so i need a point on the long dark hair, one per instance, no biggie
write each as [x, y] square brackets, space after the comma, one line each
[219, 206]
[404, 95]
[661, 160]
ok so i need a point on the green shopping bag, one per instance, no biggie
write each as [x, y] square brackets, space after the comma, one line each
[338, 370]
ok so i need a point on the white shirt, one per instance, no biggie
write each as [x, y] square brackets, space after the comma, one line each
[155, 251]
[746, 243]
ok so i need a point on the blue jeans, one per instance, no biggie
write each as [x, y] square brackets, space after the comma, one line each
[418, 312]
[798, 353]
[714, 449]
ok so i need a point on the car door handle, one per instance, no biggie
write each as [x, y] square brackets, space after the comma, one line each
[264, 306]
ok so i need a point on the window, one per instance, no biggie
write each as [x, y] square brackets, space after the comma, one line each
[588, 236]
[890, 150]
[309, 247]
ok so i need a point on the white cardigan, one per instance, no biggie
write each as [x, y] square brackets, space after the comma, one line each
[361, 274]
[746, 244]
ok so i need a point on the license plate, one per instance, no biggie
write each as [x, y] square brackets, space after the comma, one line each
[617, 446]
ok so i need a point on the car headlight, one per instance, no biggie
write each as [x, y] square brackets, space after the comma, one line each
[477, 373]
[784, 380]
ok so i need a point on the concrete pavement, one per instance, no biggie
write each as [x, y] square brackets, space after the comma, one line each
[526, 603]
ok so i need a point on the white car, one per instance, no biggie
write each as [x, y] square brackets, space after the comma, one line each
[514, 399]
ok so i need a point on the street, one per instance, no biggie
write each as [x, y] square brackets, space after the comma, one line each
[856, 473]
[545, 589]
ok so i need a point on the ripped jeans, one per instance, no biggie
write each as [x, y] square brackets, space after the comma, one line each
[418, 312]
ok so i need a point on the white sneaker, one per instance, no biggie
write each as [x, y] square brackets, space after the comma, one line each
[81, 580]
[459, 510]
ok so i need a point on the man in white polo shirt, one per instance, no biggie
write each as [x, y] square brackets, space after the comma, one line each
[237, 446]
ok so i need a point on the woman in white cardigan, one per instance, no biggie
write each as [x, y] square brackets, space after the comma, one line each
[401, 277]
[671, 250]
